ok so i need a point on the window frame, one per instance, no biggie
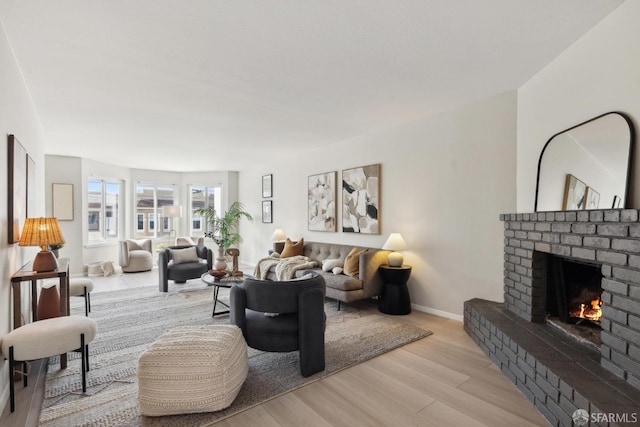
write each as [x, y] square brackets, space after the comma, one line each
[100, 233]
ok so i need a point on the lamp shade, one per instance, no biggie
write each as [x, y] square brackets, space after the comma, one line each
[172, 211]
[42, 232]
[395, 243]
[278, 235]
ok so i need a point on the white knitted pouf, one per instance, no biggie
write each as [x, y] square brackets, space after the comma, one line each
[192, 369]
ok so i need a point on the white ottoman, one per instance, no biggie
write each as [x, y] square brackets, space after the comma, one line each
[192, 369]
[82, 287]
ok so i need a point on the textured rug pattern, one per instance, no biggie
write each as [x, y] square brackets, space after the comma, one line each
[129, 320]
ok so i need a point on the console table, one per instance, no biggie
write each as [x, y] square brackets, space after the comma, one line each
[26, 274]
[395, 295]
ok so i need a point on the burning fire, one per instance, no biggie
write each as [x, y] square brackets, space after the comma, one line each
[592, 311]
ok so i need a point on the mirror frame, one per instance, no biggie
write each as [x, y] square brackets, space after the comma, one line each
[629, 160]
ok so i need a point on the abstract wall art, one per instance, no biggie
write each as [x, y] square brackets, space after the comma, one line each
[361, 199]
[322, 202]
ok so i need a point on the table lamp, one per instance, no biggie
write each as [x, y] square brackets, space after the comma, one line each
[42, 232]
[395, 243]
[278, 238]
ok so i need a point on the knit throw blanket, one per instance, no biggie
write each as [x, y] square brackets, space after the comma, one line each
[284, 268]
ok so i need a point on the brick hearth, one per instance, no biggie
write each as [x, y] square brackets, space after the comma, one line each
[610, 238]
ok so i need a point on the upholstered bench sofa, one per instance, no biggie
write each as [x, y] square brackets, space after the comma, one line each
[366, 283]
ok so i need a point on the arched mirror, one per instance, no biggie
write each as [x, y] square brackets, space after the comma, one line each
[586, 166]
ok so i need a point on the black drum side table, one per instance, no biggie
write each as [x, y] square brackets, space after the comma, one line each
[395, 294]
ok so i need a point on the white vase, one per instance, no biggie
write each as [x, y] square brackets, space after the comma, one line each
[221, 261]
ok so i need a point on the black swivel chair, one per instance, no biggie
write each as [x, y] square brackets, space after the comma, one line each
[300, 322]
[180, 273]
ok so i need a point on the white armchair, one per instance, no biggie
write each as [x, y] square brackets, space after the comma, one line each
[136, 255]
[184, 241]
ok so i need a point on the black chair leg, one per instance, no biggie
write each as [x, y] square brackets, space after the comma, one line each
[338, 305]
[84, 363]
[89, 301]
[86, 303]
[12, 387]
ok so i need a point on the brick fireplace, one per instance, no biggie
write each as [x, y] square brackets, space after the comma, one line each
[554, 370]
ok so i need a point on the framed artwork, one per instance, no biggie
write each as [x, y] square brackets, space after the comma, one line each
[17, 188]
[592, 198]
[361, 199]
[62, 198]
[574, 192]
[321, 195]
[31, 187]
[267, 211]
[267, 185]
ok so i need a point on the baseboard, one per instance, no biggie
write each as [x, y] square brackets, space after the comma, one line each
[445, 314]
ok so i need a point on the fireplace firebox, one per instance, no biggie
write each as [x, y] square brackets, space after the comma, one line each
[574, 298]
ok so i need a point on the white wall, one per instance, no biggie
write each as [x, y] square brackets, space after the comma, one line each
[17, 117]
[67, 170]
[444, 181]
[598, 74]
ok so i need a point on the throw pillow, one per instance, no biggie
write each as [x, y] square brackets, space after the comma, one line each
[330, 264]
[352, 262]
[180, 256]
[135, 245]
[291, 248]
[337, 270]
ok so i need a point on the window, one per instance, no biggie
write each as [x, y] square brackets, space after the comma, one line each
[104, 216]
[149, 202]
[203, 197]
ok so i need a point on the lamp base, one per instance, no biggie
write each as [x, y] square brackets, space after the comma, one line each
[45, 261]
[395, 259]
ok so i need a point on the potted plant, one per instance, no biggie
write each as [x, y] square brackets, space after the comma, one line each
[55, 249]
[223, 230]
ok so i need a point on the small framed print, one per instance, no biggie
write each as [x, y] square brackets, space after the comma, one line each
[267, 185]
[62, 198]
[267, 211]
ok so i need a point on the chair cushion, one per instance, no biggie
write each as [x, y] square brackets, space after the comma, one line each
[77, 286]
[136, 245]
[279, 333]
[186, 271]
[180, 256]
[49, 337]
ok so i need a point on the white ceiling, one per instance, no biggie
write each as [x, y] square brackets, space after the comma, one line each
[221, 85]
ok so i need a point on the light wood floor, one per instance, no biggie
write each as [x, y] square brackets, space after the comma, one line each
[442, 380]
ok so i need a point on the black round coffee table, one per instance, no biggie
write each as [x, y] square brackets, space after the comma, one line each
[225, 282]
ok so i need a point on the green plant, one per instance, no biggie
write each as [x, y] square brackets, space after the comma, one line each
[224, 230]
[55, 247]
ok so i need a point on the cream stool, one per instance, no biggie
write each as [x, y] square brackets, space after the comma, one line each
[46, 338]
[192, 369]
[82, 287]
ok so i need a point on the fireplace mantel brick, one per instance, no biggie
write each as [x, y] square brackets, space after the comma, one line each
[610, 237]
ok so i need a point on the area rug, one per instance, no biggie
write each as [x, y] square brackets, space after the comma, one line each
[129, 320]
